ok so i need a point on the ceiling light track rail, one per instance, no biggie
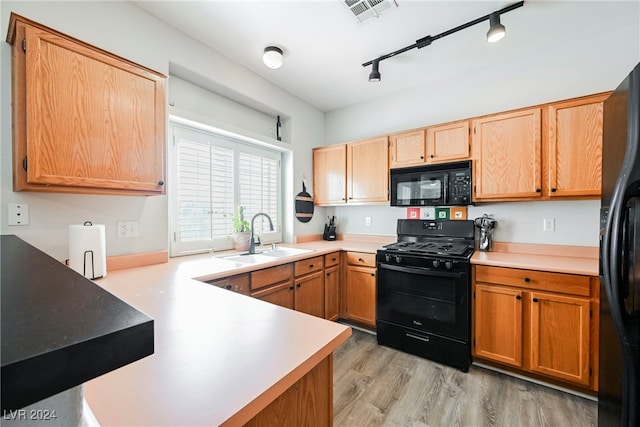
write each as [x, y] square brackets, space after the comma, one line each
[427, 40]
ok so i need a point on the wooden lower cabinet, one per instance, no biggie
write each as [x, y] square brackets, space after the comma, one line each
[560, 336]
[332, 293]
[309, 402]
[309, 294]
[332, 286]
[498, 324]
[538, 322]
[359, 289]
[238, 283]
[281, 294]
[274, 285]
[309, 286]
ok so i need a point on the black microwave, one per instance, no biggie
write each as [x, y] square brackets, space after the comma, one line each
[442, 184]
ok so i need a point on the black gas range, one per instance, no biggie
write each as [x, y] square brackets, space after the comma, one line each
[423, 291]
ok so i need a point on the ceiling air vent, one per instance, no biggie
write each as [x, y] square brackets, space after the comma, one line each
[365, 9]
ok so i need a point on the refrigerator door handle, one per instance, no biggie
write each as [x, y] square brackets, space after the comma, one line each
[615, 251]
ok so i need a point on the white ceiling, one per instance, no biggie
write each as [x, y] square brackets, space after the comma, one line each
[324, 45]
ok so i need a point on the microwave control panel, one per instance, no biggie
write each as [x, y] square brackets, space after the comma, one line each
[460, 187]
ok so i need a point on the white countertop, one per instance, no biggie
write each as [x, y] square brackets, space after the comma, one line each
[220, 357]
[554, 258]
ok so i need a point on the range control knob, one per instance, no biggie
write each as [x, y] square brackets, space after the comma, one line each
[398, 259]
[387, 257]
[448, 265]
[436, 263]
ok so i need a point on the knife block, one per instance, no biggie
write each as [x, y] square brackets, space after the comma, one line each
[329, 232]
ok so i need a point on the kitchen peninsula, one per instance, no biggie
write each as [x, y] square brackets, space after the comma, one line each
[221, 358]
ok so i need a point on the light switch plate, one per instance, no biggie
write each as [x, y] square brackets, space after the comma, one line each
[18, 214]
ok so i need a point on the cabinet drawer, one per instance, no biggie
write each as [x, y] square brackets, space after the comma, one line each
[270, 276]
[332, 259]
[540, 280]
[308, 265]
[361, 258]
[238, 283]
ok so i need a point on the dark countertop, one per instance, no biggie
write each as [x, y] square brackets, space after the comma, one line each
[58, 328]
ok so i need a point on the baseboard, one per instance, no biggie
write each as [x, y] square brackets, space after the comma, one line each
[535, 381]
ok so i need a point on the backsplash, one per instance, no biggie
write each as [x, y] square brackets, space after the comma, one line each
[575, 222]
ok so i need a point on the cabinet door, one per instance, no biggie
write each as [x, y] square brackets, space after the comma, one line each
[575, 147]
[309, 294]
[93, 123]
[498, 324]
[368, 171]
[281, 295]
[238, 283]
[448, 142]
[507, 149]
[407, 149]
[360, 295]
[329, 175]
[560, 336]
[332, 293]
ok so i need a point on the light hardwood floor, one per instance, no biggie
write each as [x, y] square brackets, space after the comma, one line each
[379, 386]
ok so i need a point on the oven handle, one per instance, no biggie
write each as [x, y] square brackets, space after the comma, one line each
[420, 270]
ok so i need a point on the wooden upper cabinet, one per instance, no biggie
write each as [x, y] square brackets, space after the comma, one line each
[442, 143]
[84, 120]
[574, 156]
[507, 150]
[330, 175]
[448, 142]
[407, 149]
[368, 171]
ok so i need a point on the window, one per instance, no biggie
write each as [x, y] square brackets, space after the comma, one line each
[212, 175]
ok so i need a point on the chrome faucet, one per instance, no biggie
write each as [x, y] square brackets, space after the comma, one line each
[252, 244]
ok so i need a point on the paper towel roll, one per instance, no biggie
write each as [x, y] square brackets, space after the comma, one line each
[87, 250]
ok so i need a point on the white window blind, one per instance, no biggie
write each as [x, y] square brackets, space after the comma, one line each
[258, 179]
[212, 176]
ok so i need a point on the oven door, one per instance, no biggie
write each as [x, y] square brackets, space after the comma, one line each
[419, 188]
[424, 300]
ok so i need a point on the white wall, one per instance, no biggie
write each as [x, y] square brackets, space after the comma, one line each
[126, 30]
[576, 222]
[582, 67]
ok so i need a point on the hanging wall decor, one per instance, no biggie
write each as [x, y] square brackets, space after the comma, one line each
[304, 205]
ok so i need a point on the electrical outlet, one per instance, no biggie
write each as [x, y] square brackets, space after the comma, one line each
[18, 214]
[367, 221]
[549, 224]
[128, 229]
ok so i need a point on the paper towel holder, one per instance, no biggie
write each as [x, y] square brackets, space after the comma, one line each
[84, 258]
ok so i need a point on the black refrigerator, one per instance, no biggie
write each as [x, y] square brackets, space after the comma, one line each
[619, 375]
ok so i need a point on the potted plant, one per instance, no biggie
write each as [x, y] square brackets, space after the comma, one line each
[241, 231]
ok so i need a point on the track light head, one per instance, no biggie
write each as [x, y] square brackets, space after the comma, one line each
[496, 32]
[374, 76]
[496, 29]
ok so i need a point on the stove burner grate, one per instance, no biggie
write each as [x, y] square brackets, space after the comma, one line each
[431, 248]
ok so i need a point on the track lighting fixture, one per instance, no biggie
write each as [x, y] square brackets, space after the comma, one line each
[496, 29]
[375, 74]
[496, 32]
[272, 57]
